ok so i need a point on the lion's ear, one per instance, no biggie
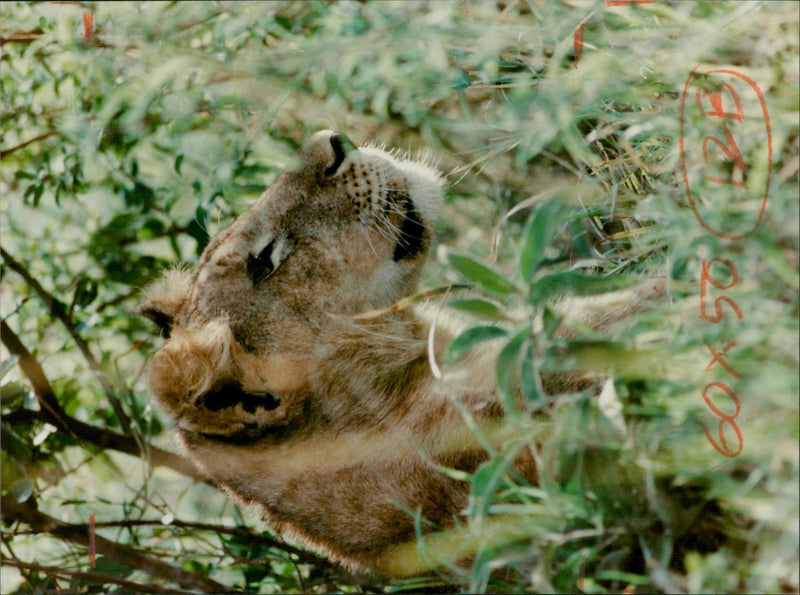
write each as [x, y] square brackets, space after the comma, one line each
[164, 298]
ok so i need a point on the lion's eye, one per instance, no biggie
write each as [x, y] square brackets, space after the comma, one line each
[260, 267]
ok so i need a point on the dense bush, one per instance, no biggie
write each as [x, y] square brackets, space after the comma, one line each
[133, 132]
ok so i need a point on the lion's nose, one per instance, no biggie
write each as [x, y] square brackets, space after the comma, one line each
[231, 394]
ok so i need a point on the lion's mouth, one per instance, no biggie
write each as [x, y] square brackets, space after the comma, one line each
[230, 395]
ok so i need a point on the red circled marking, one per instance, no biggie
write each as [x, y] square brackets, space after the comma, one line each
[682, 143]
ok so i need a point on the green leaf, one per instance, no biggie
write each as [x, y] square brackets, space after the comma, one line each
[487, 279]
[477, 307]
[539, 233]
[529, 380]
[194, 566]
[487, 478]
[12, 394]
[575, 283]
[86, 291]
[506, 370]
[198, 229]
[626, 577]
[468, 339]
[15, 445]
[21, 490]
[110, 567]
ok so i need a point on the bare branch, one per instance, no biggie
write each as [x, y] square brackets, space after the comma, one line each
[5, 153]
[53, 413]
[27, 513]
[20, 37]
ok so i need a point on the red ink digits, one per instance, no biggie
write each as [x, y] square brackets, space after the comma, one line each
[730, 85]
[731, 151]
[705, 276]
[715, 99]
[728, 88]
[724, 419]
[729, 148]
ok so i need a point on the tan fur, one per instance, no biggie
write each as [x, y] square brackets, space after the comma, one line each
[341, 442]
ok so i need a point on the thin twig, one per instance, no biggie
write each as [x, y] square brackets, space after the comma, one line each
[19, 38]
[7, 152]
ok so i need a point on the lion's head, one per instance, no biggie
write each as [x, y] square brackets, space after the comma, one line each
[344, 230]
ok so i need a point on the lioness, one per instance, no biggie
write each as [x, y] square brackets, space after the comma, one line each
[333, 425]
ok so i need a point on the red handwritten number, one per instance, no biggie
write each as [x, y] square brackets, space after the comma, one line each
[722, 102]
[710, 104]
[724, 419]
[731, 151]
[705, 276]
[729, 147]
[715, 99]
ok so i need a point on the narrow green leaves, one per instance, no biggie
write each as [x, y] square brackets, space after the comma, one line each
[487, 279]
[477, 307]
[529, 380]
[506, 370]
[539, 233]
[469, 338]
[487, 479]
[575, 283]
